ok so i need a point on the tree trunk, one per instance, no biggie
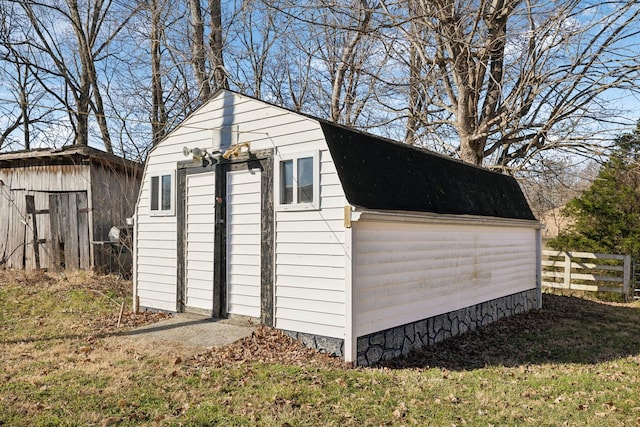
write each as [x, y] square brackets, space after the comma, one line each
[82, 113]
[24, 110]
[99, 110]
[198, 55]
[216, 44]
[158, 110]
[89, 77]
[415, 67]
[471, 151]
[346, 61]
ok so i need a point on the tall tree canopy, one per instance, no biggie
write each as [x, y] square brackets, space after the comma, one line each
[607, 215]
[499, 81]
[493, 82]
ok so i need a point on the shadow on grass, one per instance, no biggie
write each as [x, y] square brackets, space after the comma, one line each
[566, 330]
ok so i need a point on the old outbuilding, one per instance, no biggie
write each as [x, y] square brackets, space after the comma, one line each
[356, 245]
[58, 206]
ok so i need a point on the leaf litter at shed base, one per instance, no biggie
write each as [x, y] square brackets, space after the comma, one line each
[566, 329]
[267, 345]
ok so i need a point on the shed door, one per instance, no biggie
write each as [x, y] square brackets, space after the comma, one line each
[69, 222]
[243, 242]
[199, 237]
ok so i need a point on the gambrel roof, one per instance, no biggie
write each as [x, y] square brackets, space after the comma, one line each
[380, 174]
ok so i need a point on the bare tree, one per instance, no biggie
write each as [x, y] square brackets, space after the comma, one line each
[257, 39]
[198, 48]
[347, 66]
[21, 107]
[73, 60]
[216, 44]
[414, 106]
[494, 82]
[22, 85]
[158, 108]
[158, 87]
[506, 79]
[207, 60]
[342, 59]
[550, 183]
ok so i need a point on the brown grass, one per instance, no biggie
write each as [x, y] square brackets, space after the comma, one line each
[575, 362]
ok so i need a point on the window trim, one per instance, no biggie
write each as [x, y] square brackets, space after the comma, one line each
[294, 157]
[172, 194]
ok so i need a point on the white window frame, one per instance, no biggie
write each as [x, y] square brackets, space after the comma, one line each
[172, 194]
[295, 206]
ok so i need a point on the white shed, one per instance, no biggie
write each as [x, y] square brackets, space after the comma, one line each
[356, 245]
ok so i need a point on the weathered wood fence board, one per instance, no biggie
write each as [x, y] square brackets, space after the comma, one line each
[68, 216]
[31, 213]
[577, 271]
[83, 231]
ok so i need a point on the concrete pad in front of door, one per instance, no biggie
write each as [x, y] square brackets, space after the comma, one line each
[189, 332]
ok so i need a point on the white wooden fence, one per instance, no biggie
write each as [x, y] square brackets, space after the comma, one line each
[585, 271]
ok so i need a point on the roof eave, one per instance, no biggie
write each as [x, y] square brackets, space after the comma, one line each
[364, 214]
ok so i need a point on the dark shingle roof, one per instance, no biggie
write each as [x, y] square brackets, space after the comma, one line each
[379, 174]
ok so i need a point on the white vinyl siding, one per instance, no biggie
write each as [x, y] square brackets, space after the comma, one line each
[155, 251]
[243, 242]
[306, 294]
[310, 262]
[405, 272]
[200, 221]
[223, 121]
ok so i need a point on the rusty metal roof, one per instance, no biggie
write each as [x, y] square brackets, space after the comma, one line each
[73, 154]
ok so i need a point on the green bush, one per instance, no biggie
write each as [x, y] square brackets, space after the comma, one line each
[607, 215]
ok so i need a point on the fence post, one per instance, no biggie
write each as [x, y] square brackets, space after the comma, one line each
[626, 284]
[567, 270]
[539, 268]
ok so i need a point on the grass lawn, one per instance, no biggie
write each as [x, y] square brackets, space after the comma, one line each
[576, 362]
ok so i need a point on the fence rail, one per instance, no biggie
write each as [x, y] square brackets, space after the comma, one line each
[586, 271]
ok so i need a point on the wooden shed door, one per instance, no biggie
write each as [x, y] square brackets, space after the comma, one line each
[244, 203]
[199, 236]
[69, 221]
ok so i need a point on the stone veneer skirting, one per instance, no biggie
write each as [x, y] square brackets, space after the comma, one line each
[329, 345]
[400, 340]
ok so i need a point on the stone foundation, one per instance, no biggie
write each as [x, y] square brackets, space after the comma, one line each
[400, 340]
[329, 345]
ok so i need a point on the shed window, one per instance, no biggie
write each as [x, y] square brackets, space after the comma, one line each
[286, 182]
[162, 194]
[299, 182]
[305, 180]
